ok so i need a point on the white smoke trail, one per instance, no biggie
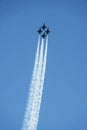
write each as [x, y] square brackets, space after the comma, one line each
[34, 113]
[44, 66]
[36, 88]
[40, 83]
[35, 65]
[31, 91]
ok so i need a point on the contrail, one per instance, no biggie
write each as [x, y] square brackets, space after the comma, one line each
[43, 69]
[40, 83]
[34, 113]
[31, 91]
[36, 87]
[44, 63]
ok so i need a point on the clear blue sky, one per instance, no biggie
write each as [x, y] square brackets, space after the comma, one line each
[64, 103]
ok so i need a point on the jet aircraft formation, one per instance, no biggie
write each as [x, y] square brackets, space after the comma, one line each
[43, 31]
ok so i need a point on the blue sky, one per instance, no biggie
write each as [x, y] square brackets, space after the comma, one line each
[64, 103]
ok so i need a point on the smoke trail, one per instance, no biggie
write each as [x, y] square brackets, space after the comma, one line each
[34, 113]
[39, 84]
[44, 67]
[36, 88]
[35, 65]
[31, 91]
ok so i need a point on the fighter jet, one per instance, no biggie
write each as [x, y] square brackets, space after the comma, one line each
[43, 31]
[39, 31]
[44, 26]
[47, 31]
[43, 35]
